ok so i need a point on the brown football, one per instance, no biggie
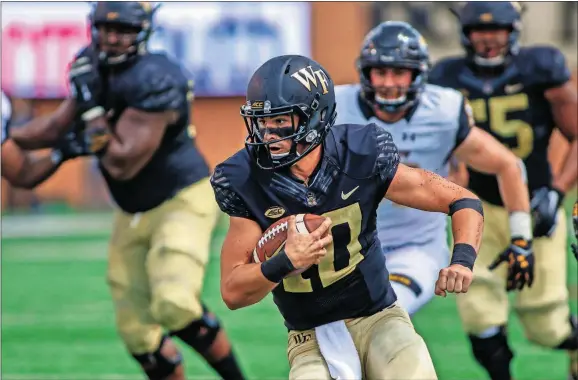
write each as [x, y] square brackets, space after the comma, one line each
[274, 237]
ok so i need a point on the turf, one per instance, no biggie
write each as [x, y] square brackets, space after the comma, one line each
[58, 323]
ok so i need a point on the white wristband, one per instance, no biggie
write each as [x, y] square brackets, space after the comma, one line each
[521, 225]
[92, 114]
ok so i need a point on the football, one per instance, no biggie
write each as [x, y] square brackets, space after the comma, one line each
[274, 237]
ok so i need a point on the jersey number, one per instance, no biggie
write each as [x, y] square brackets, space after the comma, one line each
[517, 134]
[342, 256]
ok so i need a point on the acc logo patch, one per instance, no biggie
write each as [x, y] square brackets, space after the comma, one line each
[258, 104]
[275, 212]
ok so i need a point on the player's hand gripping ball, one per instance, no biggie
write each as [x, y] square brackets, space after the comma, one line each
[303, 237]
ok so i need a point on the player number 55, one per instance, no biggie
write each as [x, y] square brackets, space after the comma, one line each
[498, 108]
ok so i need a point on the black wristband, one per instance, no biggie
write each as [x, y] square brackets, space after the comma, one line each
[474, 204]
[277, 267]
[464, 254]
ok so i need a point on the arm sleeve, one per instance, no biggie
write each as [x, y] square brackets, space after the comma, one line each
[158, 88]
[387, 156]
[228, 200]
[551, 68]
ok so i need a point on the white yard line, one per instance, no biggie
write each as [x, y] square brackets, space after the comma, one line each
[55, 225]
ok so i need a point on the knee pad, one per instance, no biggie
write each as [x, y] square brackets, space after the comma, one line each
[200, 334]
[173, 309]
[571, 342]
[545, 327]
[494, 354]
[156, 365]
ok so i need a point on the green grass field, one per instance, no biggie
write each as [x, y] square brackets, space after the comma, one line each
[57, 322]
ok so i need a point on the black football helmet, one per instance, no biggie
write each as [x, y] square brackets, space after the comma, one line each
[490, 15]
[133, 14]
[394, 44]
[289, 85]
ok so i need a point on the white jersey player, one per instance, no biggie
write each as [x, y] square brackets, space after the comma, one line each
[429, 124]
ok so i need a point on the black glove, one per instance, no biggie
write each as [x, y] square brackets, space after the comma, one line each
[86, 84]
[520, 259]
[544, 204]
[78, 143]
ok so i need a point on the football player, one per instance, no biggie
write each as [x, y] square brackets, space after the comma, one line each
[297, 161]
[26, 170]
[518, 95]
[428, 124]
[134, 110]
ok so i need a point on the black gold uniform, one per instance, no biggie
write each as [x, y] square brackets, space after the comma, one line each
[350, 281]
[513, 108]
[162, 231]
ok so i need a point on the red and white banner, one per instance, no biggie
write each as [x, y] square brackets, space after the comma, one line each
[221, 44]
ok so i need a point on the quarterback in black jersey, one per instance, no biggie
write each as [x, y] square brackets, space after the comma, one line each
[297, 161]
[131, 110]
[518, 94]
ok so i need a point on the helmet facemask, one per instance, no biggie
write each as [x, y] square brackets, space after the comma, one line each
[405, 96]
[307, 131]
[493, 45]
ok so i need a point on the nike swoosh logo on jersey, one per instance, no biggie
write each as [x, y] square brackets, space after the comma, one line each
[344, 196]
[510, 88]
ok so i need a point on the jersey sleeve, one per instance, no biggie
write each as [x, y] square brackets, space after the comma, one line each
[387, 156]
[465, 122]
[228, 200]
[157, 87]
[6, 116]
[550, 67]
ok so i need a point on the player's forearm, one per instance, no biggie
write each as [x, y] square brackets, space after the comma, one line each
[113, 151]
[35, 171]
[513, 189]
[467, 227]
[566, 178]
[44, 131]
[41, 132]
[246, 285]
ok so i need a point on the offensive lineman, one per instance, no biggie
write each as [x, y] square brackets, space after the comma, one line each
[428, 124]
[134, 111]
[297, 161]
[518, 95]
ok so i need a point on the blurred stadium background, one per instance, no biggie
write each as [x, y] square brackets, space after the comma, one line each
[57, 320]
